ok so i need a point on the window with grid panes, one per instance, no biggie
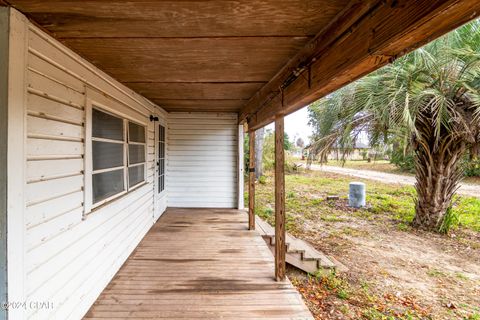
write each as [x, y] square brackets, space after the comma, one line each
[118, 155]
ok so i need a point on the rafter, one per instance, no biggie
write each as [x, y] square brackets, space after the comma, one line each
[363, 37]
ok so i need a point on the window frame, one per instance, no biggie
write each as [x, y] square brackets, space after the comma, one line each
[124, 145]
[127, 152]
[89, 204]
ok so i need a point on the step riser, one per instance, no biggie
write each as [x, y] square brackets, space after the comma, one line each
[307, 266]
[309, 260]
[297, 259]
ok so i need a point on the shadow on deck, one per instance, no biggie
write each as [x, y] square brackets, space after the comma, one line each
[199, 264]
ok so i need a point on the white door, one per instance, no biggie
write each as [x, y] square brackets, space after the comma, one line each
[160, 168]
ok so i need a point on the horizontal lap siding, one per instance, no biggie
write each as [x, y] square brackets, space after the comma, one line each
[69, 260]
[202, 160]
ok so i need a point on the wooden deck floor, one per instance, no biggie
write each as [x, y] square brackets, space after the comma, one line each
[199, 264]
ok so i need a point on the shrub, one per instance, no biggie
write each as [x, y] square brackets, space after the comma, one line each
[450, 220]
[472, 167]
[403, 161]
[262, 180]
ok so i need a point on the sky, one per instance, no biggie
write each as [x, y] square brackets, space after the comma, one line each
[296, 125]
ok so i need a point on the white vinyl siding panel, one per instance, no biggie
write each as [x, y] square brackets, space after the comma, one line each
[202, 160]
[70, 257]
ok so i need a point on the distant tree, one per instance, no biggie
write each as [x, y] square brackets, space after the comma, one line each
[287, 144]
[300, 143]
[268, 158]
[259, 146]
[269, 150]
[259, 141]
[246, 153]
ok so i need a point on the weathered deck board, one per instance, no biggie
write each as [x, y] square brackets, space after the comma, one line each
[199, 264]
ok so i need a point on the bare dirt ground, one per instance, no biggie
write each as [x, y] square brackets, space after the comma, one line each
[394, 271]
[465, 188]
[420, 273]
[408, 275]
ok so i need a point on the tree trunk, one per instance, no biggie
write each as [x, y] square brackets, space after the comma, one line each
[437, 173]
[259, 139]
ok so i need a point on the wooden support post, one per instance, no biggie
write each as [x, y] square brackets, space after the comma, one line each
[251, 182]
[280, 246]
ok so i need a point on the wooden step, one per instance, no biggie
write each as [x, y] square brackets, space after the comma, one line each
[299, 253]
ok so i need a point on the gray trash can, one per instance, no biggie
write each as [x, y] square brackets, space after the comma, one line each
[357, 195]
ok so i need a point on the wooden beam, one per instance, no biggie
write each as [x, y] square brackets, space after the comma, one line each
[280, 245]
[363, 37]
[205, 105]
[319, 43]
[251, 182]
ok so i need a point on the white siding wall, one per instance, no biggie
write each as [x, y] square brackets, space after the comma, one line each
[202, 162]
[69, 260]
[64, 257]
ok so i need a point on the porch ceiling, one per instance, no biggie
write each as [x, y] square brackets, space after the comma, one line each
[186, 55]
[260, 58]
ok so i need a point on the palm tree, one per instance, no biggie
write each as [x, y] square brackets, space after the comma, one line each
[430, 99]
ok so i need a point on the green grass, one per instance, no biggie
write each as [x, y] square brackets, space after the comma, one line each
[389, 205]
[468, 210]
[475, 316]
[434, 273]
[306, 199]
[461, 276]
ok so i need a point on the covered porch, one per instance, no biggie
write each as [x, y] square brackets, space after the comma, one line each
[199, 264]
[113, 111]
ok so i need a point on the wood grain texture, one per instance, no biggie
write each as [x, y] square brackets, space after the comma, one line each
[143, 43]
[196, 90]
[236, 59]
[191, 60]
[200, 105]
[389, 29]
[199, 264]
[280, 233]
[149, 42]
[148, 18]
[321, 42]
[300, 254]
[251, 181]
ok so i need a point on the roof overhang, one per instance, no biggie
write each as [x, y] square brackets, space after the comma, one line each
[260, 59]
